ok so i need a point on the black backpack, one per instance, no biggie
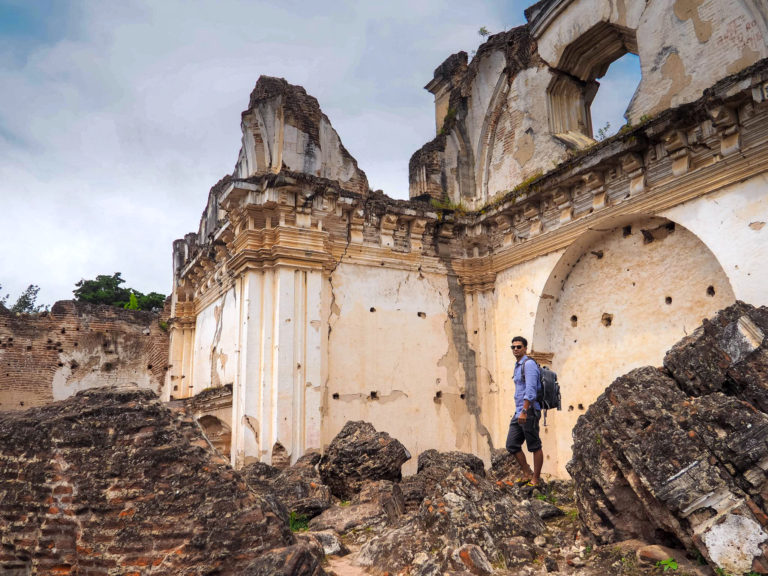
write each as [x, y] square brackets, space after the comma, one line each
[548, 395]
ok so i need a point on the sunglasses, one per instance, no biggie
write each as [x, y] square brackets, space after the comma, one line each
[516, 347]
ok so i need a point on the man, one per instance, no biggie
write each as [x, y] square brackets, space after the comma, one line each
[524, 426]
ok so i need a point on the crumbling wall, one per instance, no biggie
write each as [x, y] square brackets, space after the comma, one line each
[75, 346]
[215, 345]
[522, 104]
[113, 482]
[350, 305]
[284, 128]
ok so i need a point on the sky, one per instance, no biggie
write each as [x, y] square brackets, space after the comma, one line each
[116, 118]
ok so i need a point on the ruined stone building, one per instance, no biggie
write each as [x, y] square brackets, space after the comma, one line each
[306, 300]
[77, 345]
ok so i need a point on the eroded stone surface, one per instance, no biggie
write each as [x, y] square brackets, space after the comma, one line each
[359, 453]
[111, 481]
[680, 456]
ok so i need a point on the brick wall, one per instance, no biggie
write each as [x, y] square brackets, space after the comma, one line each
[75, 346]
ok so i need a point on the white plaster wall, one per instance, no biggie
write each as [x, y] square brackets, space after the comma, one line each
[733, 223]
[335, 165]
[451, 160]
[517, 296]
[403, 357]
[299, 153]
[215, 344]
[278, 390]
[631, 282]
[130, 372]
[535, 150]
[489, 69]
[681, 58]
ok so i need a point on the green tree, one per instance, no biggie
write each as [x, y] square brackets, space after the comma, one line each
[133, 303]
[483, 31]
[3, 299]
[27, 302]
[103, 290]
[109, 290]
[151, 301]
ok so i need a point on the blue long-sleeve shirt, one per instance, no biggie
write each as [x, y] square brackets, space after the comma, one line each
[529, 389]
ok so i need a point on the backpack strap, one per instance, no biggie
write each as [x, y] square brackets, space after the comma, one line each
[522, 374]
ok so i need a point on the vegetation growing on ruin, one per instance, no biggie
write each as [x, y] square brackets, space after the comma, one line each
[298, 522]
[105, 289]
[448, 205]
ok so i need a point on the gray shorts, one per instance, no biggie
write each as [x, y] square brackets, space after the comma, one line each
[528, 433]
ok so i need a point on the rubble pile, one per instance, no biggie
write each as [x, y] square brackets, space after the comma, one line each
[679, 455]
[111, 481]
[669, 468]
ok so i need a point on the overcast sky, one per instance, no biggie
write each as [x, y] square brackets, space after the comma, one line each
[116, 118]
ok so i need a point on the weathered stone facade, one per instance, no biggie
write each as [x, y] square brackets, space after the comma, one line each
[75, 346]
[320, 301]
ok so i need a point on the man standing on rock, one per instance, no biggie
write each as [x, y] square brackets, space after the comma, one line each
[525, 423]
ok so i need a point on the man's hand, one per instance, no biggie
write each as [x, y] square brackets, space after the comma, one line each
[523, 416]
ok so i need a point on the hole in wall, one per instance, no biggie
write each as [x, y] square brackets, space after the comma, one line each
[617, 86]
[462, 396]
[710, 290]
[63, 330]
[647, 236]
[335, 396]
[421, 314]
[581, 406]
[574, 320]
[374, 395]
[607, 319]
[149, 366]
[598, 254]
[372, 309]
[668, 300]
[570, 408]
[626, 231]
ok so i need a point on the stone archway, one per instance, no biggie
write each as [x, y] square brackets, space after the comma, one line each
[618, 299]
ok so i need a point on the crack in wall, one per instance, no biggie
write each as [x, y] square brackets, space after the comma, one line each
[457, 332]
[218, 313]
[333, 308]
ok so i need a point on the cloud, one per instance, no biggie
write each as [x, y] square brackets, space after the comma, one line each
[115, 122]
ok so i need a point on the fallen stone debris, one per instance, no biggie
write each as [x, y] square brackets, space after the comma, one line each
[669, 477]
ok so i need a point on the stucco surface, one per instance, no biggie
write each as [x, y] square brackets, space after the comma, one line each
[624, 303]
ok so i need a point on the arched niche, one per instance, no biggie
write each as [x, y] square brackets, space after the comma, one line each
[218, 433]
[619, 297]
